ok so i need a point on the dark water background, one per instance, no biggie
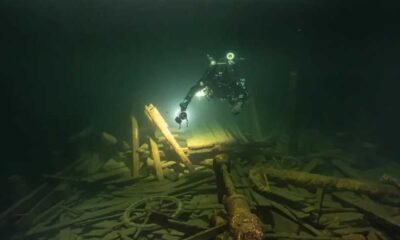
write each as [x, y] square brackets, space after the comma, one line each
[66, 65]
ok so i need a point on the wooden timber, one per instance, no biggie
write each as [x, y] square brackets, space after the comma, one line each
[368, 207]
[317, 180]
[84, 219]
[209, 233]
[156, 118]
[135, 147]
[156, 158]
[25, 204]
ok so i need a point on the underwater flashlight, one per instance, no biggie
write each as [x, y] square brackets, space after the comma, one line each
[201, 93]
[230, 56]
[181, 117]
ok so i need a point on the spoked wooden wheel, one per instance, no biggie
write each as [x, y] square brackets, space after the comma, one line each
[137, 214]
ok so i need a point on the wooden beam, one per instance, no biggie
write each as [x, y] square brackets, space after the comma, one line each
[135, 147]
[159, 122]
[156, 158]
[25, 203]
[210, 233]
[90, 217]
[370, 208]
[317, 180]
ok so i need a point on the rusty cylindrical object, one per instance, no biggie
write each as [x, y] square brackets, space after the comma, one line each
[243, 225]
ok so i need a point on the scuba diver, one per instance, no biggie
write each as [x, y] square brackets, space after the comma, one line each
[221, 80]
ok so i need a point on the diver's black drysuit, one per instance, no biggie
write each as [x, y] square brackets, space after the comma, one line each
[221, 80]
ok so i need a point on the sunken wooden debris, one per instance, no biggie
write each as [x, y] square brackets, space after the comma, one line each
[328, 210]
[113, 206]
[390, 180]
[97, 198]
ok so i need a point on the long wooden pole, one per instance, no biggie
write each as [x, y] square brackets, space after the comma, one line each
[135, 147]
[156, 158]
[156, 118]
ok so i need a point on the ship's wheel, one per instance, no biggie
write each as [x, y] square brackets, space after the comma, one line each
[137, 214]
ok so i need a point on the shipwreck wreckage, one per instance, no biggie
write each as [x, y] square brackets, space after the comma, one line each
[164, 188]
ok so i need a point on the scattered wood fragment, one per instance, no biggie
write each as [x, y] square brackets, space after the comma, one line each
[168, 222]
[208, 234]
[86, 217]
[166, 164]
[368, 207]
[267, 187]
[344, 168]
[319, 204]
[96, 233]
[281, 223]
[390, 180]
[352, 230]
[343, 218]
[25, 203]
[311, 165]
[190, 186]
[299, 237]
[67, 234]
[293, 216]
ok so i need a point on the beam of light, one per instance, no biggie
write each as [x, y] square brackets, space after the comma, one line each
[176, 113]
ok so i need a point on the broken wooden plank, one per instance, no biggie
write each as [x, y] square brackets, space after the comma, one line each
[135, 148]
[280, 222]
[190, 186]
[166, 164]
[67, 234]
[292, 215]
[387, 179]
[298, 237]
[156, 118]
[352, 230]
[344, 168]
[48, 200]
[96, 233]
[319, 204]
[311, 165]
[208, 234]
[156, 159]
[167, 222]
[345, 218]
[85, 218]
[117, 234]
[25, 203]
[259, 199]
[368, 207]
